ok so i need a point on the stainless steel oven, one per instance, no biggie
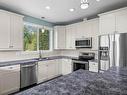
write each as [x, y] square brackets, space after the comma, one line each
[83, 43]
[80, 65]
[82, 62]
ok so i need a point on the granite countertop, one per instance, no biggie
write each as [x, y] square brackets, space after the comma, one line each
[8, 63]
[81, 82]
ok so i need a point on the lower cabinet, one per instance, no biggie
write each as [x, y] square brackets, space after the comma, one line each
[93, 66]
[48, 70]
[53, 68]
[67, 66]
[104, 65]
[9, 79]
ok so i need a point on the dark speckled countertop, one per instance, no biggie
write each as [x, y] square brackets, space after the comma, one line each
[8, 63]
[81, 82]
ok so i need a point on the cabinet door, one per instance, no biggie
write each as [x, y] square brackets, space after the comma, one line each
[10, 82]
[51, 69]
[58, 63]
[70, 36]
[121, 21]
[42, 71]
[107, 24]
[5, 25]
[67, 66]
[93, 66]
[60, 37]
[87, 29]
[80, 30]
[104, 65]
[17, 32]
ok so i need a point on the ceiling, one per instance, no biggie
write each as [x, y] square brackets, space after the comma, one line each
[59, 12]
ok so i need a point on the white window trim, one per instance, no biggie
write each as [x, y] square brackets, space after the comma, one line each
[50, 38]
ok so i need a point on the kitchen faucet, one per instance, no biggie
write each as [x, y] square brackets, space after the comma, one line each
[40, 54]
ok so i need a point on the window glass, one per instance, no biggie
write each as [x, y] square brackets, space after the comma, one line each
[44, 40]
[30, 38]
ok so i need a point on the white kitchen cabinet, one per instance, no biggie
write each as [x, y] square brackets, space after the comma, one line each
[17, 32]
[67, 66]
[52, 69]
[121, 21]
[93, 66]
[59, 65]
[113, 22]
[70, 36]
[59, 37]
[11, 27]
[5, 20]
[88, 28]
[42, 71]
[80, 30]
[104, 65]
[107, 24]
[9, 79]
[48, 70]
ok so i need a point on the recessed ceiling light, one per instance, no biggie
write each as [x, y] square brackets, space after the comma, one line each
[42, 17]
[72, 10]
[48, 7]
[98, 0]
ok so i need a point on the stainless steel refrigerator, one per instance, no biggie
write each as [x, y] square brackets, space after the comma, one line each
[112, 51]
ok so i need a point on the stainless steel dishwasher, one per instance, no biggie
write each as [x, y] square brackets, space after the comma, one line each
[28, 74]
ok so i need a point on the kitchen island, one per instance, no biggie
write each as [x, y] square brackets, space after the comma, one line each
[81, 82]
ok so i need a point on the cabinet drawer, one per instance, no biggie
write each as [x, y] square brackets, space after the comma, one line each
[9, 69]
[93, 66]
[9, 82]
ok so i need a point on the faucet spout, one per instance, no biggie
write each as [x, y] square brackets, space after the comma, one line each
[40, 54]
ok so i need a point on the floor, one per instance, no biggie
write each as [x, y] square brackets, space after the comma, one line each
[23, 89]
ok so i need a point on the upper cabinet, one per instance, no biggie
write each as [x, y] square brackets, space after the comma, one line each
[107, 24]
[113, 22]
[70, 36]
[5, 26]
[59, 37]
[65, 36]
[89, 28]
[17, 32]
[121, 21]
[11, 31]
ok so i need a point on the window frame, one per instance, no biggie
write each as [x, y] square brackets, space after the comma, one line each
[50, 37]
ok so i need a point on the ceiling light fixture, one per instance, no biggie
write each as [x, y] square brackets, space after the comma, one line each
[97, 0]
[48, 7]
[72, 10]
[84, 4]
[43, 30]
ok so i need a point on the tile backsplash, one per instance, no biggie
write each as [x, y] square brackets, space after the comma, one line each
[18, 55]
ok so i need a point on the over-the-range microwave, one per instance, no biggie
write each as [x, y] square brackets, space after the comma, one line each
[83, 43]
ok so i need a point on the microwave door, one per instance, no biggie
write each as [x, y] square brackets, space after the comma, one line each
[86, 43]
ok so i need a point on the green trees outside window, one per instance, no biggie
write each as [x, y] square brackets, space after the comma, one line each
[30, 38]
[43, 39]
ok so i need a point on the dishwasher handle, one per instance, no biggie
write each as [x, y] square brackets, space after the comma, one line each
[26, 66]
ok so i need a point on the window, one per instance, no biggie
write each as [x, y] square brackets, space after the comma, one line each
[30, 38]
[44, 39]
[37, 38]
